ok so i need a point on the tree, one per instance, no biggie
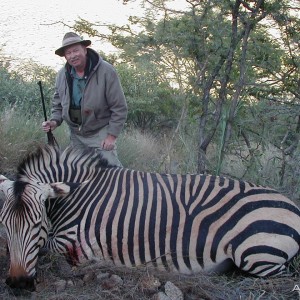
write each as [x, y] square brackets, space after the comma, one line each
[220, 57]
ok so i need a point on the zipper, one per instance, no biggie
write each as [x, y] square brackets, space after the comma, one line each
[88, 78]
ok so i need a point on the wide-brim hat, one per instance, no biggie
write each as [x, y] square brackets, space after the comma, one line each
[69, 39]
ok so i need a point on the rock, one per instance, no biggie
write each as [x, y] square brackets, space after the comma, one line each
[88, 277]
[101, 276]
[79, 282]
[70, 283]
[161, 296]
[60, 285]
[149, 284]
[112, 282]
[172, 291]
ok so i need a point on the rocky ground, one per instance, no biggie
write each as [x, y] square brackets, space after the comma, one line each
[57, 280]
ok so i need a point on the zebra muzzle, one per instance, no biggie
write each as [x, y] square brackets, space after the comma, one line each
[26, 283]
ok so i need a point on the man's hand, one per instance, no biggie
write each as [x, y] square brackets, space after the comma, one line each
[108, 143]
[49, 125]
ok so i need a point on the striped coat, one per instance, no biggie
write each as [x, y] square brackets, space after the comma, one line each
[178, 223]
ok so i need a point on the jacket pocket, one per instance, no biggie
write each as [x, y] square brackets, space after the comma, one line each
[94, 122]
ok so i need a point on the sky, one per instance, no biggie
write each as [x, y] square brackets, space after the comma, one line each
[25, 32]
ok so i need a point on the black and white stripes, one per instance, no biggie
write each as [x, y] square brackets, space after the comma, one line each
[182, 223]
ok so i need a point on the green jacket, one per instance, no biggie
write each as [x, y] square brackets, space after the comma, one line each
[103, 102]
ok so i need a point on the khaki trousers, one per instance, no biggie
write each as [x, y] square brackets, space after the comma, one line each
[93, 141]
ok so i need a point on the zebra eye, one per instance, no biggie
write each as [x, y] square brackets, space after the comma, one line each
[36, 225]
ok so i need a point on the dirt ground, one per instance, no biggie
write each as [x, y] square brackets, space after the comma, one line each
[57, 280]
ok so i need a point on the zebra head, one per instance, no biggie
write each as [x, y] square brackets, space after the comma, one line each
[24, 217]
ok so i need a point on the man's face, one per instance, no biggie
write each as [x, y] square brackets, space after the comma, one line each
[76, 55]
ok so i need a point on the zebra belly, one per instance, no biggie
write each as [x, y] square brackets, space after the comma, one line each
[137, 255]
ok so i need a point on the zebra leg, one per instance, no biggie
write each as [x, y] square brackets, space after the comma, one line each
[260, 261]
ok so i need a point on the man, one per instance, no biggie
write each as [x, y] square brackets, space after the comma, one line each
[89, 98]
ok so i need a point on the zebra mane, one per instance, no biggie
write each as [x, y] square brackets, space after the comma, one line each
[49, 164]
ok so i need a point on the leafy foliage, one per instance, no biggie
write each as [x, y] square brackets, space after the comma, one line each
[19, 89]
[151, 103]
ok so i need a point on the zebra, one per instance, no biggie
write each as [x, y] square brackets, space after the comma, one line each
[77, 205]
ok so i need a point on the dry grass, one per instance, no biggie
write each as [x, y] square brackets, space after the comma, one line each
[139, 151]
[20, 134]
[142, 283]
[53, 268]
[146, 152]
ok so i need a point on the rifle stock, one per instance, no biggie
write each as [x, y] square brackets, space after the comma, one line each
[50, 138]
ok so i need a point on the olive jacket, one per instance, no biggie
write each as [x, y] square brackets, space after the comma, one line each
[103, 102]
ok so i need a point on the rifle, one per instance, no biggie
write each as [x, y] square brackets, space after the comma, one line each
[50, 136]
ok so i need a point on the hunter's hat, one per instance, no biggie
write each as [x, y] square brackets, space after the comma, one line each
[69, 39]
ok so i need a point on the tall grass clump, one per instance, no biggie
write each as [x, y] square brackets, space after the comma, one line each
[267, 166]
[163, 153]
[139, 151]
[19, 133]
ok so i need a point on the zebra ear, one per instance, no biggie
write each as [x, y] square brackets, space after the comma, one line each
[59, 189]
[3, 180]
